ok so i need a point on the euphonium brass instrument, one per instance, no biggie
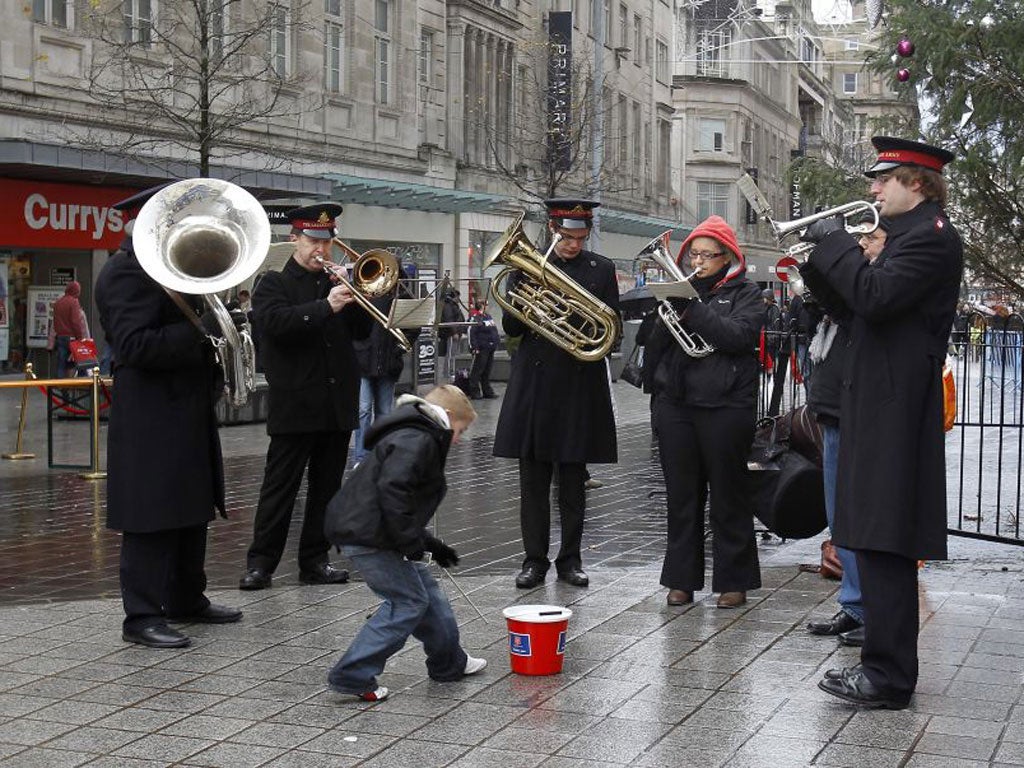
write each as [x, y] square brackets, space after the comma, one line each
[374, 274]
[691, 343]
[550, 302]
[204, 236]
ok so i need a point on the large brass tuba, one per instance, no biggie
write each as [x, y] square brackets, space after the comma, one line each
[548, 301]
[204, 236]
[692, 343]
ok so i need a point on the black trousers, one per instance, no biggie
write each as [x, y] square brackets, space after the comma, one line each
[702, 450]
[325, 454]
[535, 512]
[888, 585]
[162, 575]
[480, 373]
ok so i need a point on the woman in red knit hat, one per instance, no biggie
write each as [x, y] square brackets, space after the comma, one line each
[703, 414]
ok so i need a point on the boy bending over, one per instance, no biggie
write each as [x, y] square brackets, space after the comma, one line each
[379, 519]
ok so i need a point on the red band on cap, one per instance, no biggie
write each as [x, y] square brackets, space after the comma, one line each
[577, 213]
[301, 224]
[909, 156]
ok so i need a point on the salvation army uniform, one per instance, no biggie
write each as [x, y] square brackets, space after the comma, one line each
[891, 486]
[556, 414]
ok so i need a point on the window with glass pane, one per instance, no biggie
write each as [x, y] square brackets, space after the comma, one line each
[382, 22]
[279, 40]
[710, 134]
[623, 26]
[638, 38]
[661, 62]
[333, 45]
[664, 155]
[426, 56]
[608, 22]
[850, 82]
[712, 200]
[711, 53]
[138, 21]
[55, 12]
[332, 7]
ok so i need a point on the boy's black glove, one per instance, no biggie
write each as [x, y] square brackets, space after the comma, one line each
[444, 555]
[822, 227]
[417, 555]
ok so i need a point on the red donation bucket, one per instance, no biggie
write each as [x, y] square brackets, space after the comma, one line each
[536, 638]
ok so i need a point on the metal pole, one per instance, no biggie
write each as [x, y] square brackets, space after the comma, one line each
[95, 473]
[17, 455]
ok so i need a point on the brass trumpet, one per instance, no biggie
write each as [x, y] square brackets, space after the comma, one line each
[374, 274]
[548, 301]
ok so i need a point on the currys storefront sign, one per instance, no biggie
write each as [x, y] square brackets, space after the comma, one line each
[60, 216]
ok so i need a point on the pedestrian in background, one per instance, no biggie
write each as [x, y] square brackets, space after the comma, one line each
[483, 341]
[68, 325]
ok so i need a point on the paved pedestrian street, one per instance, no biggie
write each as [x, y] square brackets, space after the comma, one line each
[643, 684]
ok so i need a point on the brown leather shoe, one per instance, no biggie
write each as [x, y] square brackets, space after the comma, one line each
[679, 597]
[732, 599]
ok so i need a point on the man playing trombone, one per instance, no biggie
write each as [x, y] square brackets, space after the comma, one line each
[306, 326]
[557, 410]
[891, 485]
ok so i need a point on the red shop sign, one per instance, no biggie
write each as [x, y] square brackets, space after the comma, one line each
[38, 214]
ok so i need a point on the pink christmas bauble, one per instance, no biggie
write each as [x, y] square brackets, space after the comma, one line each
[905, 48]
[903, 75]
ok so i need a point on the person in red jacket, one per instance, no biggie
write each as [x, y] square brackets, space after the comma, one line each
[68, 324]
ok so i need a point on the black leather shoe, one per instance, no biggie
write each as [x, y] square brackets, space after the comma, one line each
[835, 674]
[854, 638]
[854, 686]
[212, 614]
[841, 622]
[156, 636]
[575, 576]
[324, 573]
[531, 576]
[255, 578]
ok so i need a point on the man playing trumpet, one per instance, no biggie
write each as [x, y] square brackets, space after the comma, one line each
[891, 486]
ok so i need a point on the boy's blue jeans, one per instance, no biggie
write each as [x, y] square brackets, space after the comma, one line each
[413, 605]
[849, 587]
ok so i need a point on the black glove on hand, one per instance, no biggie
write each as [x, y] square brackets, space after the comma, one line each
[210, 325]
[819, 229]
[444, 555]
[238, 318]
[417, 555]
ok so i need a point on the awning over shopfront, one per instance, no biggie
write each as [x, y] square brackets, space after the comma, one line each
[415, 197]
[423, 197]
[57, 163]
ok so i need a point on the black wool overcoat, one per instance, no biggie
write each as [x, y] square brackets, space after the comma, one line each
[557, 408]
[163, 450]
[891, 487]
[306, 352]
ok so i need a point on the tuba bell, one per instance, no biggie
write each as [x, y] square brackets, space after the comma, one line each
[202, 237]
[549, 301]
[692, 343]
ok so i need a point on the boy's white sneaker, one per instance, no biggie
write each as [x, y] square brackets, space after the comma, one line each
[474, 665]
[378, 694]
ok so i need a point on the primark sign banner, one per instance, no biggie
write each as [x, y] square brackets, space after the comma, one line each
[560, 89]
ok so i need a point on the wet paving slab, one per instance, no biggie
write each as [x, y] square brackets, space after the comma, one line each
[643, 684]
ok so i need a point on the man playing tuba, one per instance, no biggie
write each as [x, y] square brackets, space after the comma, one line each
[557, 411]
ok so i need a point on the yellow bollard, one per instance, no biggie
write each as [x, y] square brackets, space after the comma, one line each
[95, 473]
[18, 455]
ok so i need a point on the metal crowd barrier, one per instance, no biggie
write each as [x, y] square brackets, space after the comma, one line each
[97, 387]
